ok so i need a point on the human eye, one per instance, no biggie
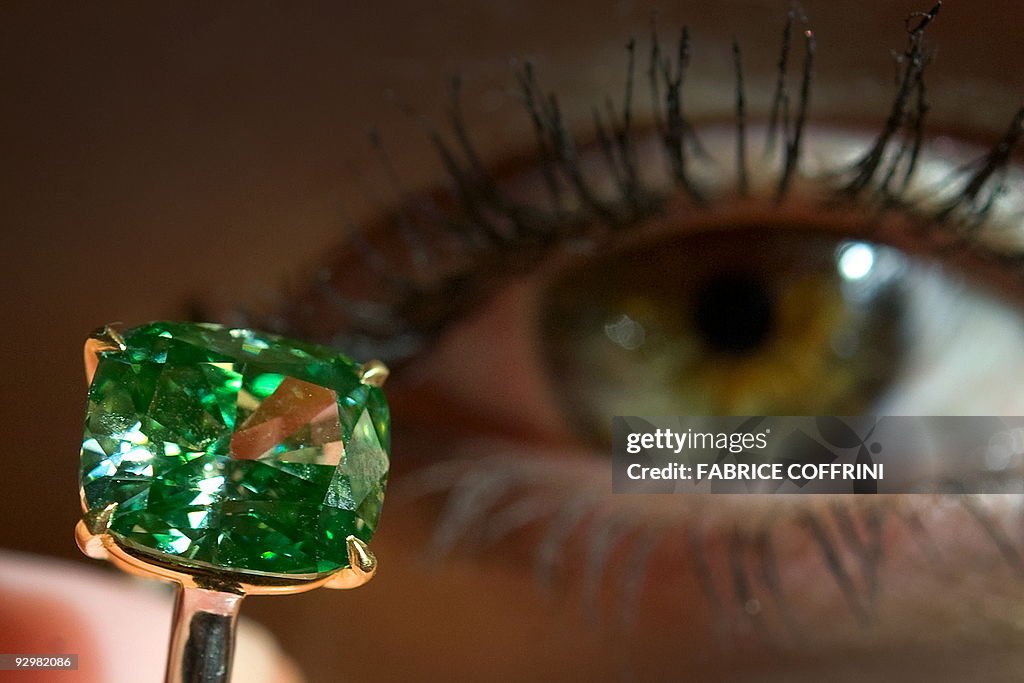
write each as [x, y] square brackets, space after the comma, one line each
[680, 250]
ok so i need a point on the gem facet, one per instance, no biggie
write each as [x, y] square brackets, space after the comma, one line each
[234, 449]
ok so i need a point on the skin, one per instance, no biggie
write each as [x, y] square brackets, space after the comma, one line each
[222, 141]
[56, 608]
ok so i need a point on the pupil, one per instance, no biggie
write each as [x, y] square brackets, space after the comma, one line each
[734, 313]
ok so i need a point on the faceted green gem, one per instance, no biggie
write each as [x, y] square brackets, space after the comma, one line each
[234, 449]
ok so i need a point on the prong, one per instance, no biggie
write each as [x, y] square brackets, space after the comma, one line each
[91, 529]
[360, 556]
[106, 338]
[374, 373]
[362, 566]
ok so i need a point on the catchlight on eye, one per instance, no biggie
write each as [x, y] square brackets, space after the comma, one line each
[737, 321]
[856, 259]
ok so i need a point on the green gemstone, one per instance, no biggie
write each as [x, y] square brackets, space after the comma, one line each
[234, 449]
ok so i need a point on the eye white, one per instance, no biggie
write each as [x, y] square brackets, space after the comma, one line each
[965, 350]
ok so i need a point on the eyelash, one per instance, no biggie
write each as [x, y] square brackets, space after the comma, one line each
[436, 255]
[738, 567]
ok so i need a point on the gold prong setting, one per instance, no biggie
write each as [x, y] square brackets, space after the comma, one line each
[373, 373]
[92, 534]
[106, 338]
[103, 546]
[91, 530]
[360, 556]
[362, 566]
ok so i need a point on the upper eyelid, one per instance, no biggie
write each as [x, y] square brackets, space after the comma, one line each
[484, 219]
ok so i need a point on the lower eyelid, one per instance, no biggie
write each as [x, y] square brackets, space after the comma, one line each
[795, 572]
